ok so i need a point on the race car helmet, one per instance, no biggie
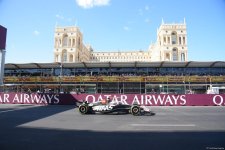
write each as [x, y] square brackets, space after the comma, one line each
[104, 102]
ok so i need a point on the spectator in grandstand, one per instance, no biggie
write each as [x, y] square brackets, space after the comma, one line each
[29, 91]
[153, 91]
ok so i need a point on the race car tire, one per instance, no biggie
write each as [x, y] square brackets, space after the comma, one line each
[83, 109]
[135, 110]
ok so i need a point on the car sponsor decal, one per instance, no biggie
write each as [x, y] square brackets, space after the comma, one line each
[102, 108]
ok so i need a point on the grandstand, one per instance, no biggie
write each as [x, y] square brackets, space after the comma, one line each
[115, 77]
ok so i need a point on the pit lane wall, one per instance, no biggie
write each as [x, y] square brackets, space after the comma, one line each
[142, 99]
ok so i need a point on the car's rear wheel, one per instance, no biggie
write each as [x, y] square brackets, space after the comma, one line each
[135, 110]
[83, 109]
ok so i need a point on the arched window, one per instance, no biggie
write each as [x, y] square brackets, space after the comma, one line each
[73, 42]
[71, 58]
[182, 57]
[175, 54]
[79, 42]
[167, 57]
[70, 41]
[168, 40]
[184, 42]
[65, 40]
[164, 40]
[60, 41]
[174, 37]
[64, 55]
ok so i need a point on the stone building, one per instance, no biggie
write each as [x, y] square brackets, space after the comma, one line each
[69, 45]
[171, 45]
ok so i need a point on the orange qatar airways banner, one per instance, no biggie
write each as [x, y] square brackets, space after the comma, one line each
[198, 79]
[132, 79]
[88, 79]
[10, 79]
[153, 79]
[115, 79]
[69, 79]
[218, 79]
[176, 79]
[27, 79]
[47, 79]
[109, 79]
[20, 79]
[156, 79]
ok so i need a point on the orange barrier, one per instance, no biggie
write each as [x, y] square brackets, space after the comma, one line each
[153, 79]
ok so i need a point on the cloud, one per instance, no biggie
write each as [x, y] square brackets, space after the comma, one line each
[126, 28]
[147, 20]
[140, 12]
[69, 19]
[146, 8]
[59, 16]
[36, 33]
[92, 3]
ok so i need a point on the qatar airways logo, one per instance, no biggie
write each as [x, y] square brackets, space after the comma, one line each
[23, 98]
[141, 99]
[218, 100]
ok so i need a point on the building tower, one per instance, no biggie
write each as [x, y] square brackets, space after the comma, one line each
[171, 43]
[68, 45]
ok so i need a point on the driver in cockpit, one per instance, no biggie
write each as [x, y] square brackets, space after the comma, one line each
[105, 101]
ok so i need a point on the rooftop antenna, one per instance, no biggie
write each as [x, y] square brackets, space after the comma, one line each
[184, 21]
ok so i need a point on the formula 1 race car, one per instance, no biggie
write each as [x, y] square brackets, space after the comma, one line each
[106, 107]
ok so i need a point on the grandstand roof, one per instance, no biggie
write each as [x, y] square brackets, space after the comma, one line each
[116, 64]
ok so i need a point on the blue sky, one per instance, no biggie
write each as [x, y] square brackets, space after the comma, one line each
[111, 25]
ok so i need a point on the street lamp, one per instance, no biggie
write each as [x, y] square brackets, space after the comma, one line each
[160, 86]
[60, 79]
[167, 90]
[189, 84]
[184, 87]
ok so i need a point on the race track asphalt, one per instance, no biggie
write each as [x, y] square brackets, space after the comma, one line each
[62, 127]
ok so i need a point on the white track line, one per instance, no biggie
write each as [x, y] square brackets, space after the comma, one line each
[163, 125]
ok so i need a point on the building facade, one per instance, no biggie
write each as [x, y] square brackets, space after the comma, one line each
[125, 56]
[69, 45]
[171, 45]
